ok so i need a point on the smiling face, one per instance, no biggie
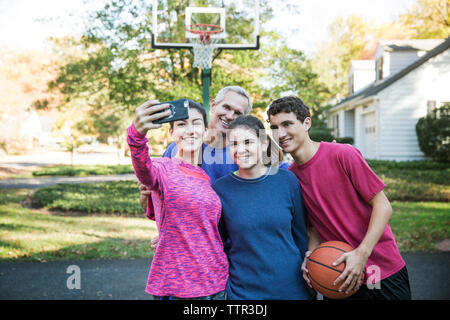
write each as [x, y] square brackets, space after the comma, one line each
[188, 134]
[246, 148]
[289, 131]
[225, 111]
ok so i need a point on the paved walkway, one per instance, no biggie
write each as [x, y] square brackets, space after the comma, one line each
[126, 279]
[31, 183]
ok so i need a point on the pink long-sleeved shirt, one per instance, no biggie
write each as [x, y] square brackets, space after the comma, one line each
[189, 260]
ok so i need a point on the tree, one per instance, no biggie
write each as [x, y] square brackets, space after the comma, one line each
[430, 19]
[24, 75]
[351, 38]
[291, 73]
[117, 70]
[112, 69]
[355, 37]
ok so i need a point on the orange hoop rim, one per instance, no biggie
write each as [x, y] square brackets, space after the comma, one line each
[191, 28]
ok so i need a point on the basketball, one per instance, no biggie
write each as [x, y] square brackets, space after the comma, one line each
[321, 271]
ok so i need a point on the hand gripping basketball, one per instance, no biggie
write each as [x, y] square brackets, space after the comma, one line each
[322, 273]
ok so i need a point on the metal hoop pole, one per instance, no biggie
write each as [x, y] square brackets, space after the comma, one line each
[206, 84]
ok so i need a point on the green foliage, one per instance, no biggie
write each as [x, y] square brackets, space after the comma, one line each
[433, 134]
[39, 235]
[423, 165]
[115, 69]
[291, 73]
[355, 37]
[430, 19]
[347, 140]
[324, 134]
[405, 181]
[71, 143]
[321, 134]
[114, 197]
[414, 180]
[83, 170]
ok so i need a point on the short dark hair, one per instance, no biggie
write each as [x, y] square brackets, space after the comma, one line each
[197, 106]
[289, 104]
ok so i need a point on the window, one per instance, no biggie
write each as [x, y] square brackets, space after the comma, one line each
[379, 68]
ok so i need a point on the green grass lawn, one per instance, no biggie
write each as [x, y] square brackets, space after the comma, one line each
[83, 170]
[42, 235]
[104, 220]
[417, 226]
[36, 235]
[414, 180]
[112, 197]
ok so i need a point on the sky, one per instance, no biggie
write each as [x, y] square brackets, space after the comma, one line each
[27, 23]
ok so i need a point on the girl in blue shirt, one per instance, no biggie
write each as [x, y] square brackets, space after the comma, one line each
[263, 221]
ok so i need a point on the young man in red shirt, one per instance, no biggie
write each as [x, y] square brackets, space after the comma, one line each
[345, 202]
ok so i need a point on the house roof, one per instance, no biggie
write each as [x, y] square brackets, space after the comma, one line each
[410, 45]
[376, 87]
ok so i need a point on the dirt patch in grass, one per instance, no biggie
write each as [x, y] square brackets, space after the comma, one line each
[443, 245]
[8, 172]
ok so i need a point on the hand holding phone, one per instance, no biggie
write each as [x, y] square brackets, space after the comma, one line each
[179, 111]
[151, 114]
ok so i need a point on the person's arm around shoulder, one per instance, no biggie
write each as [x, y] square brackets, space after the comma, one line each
[143, 198]
[144, 193]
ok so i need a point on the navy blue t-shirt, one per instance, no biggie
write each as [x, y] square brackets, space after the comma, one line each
[216, 162]
[264, 230]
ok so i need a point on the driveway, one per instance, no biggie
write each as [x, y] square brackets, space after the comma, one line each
[126, 279]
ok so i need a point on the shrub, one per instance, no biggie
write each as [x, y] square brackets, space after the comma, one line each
[348, 140]
[414, 180]
[324, 134]
[321, 134]
[433, 134]
[113, 197]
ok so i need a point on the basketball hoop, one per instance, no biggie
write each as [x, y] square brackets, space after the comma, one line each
[203, 43]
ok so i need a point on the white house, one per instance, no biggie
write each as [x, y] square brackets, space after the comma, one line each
[406, 80]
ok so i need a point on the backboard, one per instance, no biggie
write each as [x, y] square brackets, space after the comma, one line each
[239, 20]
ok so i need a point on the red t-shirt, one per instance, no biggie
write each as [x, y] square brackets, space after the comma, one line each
[337, 184]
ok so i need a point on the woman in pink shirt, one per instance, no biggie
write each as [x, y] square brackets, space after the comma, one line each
[189, 261]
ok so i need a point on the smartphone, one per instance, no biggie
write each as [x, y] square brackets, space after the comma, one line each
[179, 111]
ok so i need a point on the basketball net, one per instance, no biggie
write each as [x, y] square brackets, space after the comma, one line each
[203, 53]
[204, 44]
